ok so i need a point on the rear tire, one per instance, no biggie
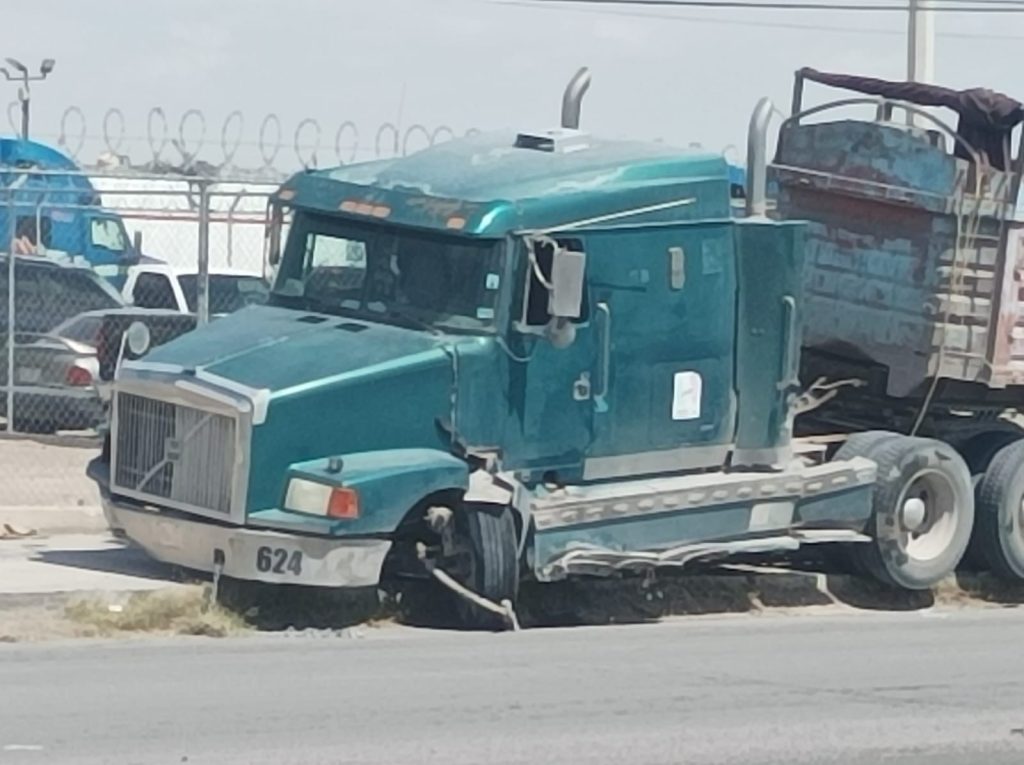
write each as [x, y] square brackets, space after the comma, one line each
[858, 445]
[862, 444]
[922, 512]
[999, 536]
[486, 535]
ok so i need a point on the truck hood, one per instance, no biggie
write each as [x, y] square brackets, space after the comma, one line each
[322, 385]
[275, 349]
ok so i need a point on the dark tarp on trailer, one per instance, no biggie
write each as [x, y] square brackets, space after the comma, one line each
[986, 120]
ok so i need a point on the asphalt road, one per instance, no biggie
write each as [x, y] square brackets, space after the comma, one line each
[936, 688]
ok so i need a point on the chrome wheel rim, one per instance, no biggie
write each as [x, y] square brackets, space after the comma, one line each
[926, 516]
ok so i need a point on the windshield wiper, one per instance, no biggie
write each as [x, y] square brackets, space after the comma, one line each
[316, 305]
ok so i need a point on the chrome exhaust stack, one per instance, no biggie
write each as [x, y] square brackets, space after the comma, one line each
[757, 159]
[573, 97]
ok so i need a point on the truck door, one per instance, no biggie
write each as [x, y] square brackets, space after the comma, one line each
[664, 315]
[551, 385]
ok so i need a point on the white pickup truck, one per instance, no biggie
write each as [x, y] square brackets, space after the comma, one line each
[159, 285]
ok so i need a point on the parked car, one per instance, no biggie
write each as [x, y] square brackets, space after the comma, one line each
[49, 292]
[63, 379]
[158, 285]
[64, 356]
[55, 386]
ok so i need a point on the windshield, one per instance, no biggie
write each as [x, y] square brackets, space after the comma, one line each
[228, 293]
[108, 234]
[415, 277]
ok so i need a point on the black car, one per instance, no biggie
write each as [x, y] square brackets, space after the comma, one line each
[48, 293]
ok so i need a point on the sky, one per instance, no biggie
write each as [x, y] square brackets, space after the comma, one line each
[685, 76]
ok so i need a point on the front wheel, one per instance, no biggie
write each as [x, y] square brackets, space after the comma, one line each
[922, 512]
[999, 535]
[486, 561]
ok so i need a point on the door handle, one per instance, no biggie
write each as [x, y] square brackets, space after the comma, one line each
[788, 375]
[600, 398]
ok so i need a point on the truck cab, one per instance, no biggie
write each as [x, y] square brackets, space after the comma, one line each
[511, 355]
[53, 210]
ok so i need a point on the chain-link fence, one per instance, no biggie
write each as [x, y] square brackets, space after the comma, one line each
[86, 255]
[104, 217]
[94, 239]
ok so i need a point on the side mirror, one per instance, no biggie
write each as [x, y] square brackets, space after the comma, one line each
[565, 299]
[137, 242]
[137, 338]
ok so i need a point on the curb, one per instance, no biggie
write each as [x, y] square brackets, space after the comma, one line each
[56, 520]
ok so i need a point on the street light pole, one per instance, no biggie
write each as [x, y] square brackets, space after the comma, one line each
[921, 42]
[920, 46]
[21, 75]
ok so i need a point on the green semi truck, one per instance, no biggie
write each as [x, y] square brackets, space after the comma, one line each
[531, 355]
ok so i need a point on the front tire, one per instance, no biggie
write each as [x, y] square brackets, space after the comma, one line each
[999, 535]
[485, 536]
[922, 512]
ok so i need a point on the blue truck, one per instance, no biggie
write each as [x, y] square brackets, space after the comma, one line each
[49, 207]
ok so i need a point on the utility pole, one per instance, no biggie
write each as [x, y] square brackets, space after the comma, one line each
[21, 75]
[921, 42]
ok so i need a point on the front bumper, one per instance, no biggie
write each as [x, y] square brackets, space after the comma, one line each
[246, 553]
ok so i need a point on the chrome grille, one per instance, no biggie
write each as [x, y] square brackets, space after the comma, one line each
[174, 452]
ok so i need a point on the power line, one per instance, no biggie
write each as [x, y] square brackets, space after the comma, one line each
[972, 6]
[931, 3]
[757, 23]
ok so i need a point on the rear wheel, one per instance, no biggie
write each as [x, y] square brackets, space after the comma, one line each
[486, 561]
[858, 445]
[922, 512]
[862, 444]
[979, 452]
[999, 536]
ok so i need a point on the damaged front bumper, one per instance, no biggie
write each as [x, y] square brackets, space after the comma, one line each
[241, 552]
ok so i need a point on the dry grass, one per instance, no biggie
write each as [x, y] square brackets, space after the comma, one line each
[188, 611]
[185, 611]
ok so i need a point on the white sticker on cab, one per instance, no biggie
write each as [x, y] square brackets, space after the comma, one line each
[686, 392]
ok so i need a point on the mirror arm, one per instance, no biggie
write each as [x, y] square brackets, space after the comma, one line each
[532, 255]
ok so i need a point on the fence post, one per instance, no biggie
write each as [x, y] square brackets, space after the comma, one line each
[230, 227]
[203, 265]
[12, 231]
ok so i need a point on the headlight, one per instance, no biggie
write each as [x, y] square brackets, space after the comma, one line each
[305, 496]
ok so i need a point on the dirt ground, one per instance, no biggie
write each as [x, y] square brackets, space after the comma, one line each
[44, 485]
